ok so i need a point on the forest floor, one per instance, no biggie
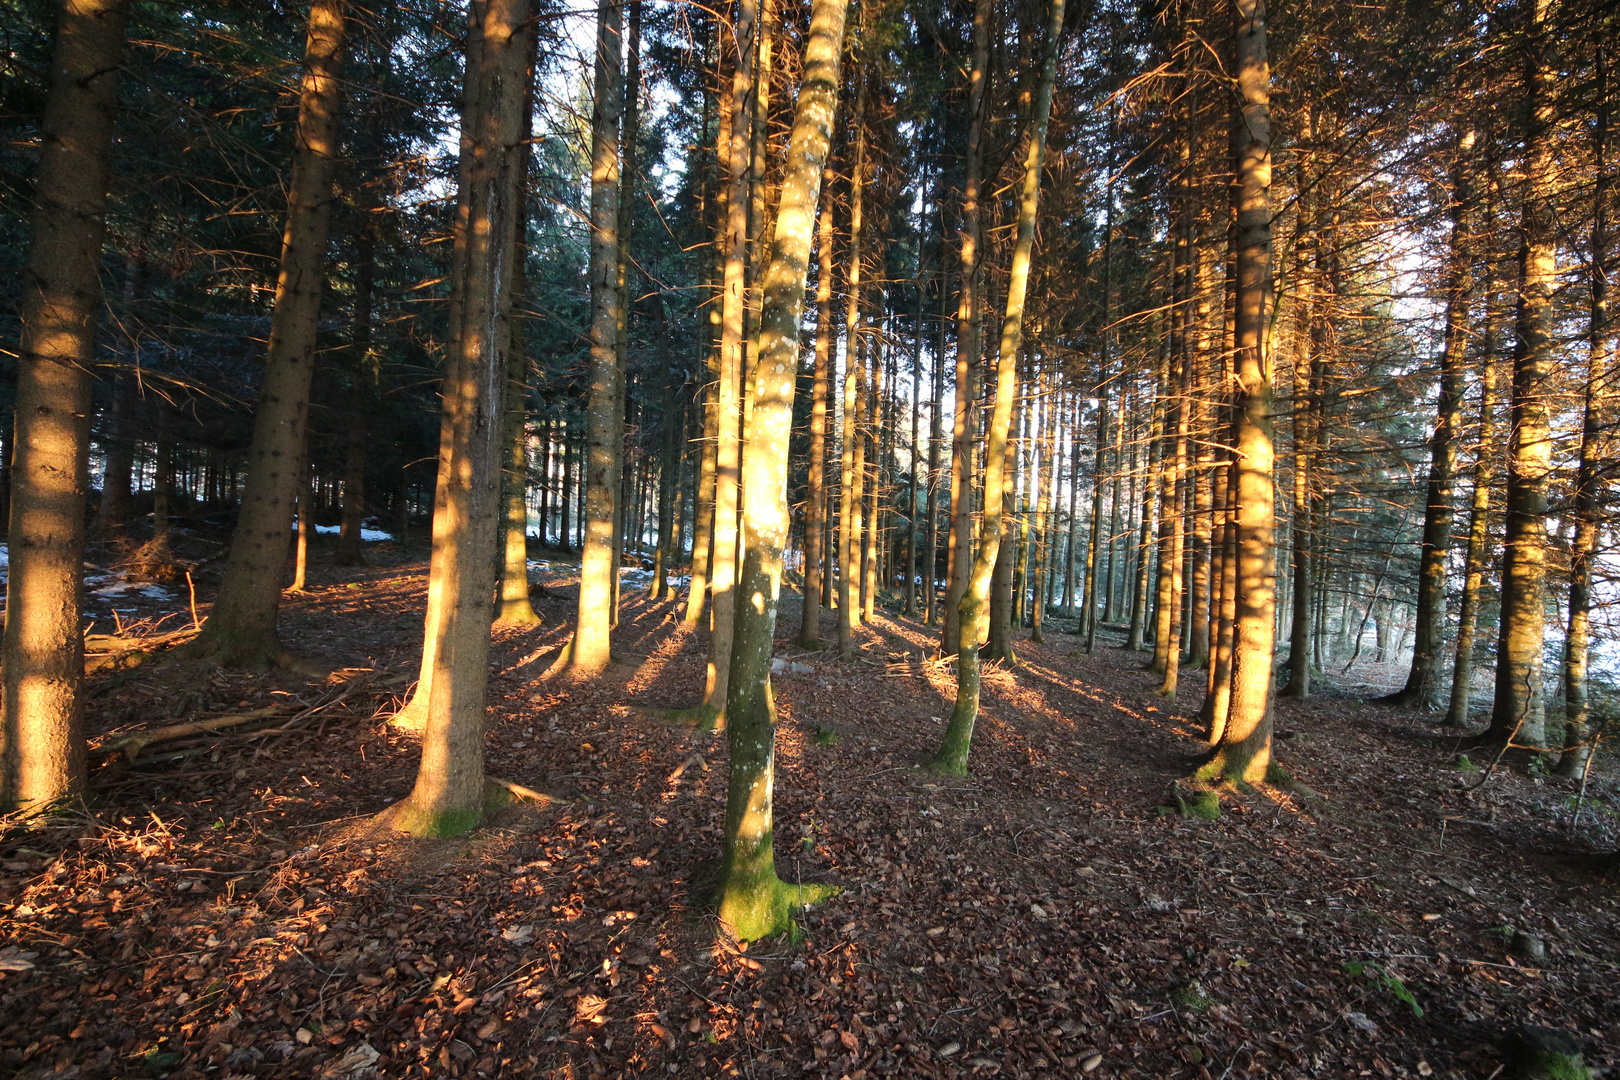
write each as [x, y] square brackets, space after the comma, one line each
[229, 911]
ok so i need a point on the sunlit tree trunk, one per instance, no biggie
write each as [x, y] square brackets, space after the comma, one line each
[242, 626]
[733, 304]
[1423, 683]
[753, 901]
[1596, 438]
[42, 754]
[850, 471]
[590, 651]
[816, 507]
[450, 795]
[1091, 612]
[1518, 712]
[959, 541]
[1244, 750]
[952, 755]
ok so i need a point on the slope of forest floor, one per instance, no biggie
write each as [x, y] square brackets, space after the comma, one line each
[230, 912]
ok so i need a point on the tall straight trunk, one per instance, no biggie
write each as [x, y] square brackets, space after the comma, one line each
[42, 754]
[565, 484]
[630, 119]
[242, 627]
[1143, 530]
[708, 416]
[1089, 613]
[356, 425]
[753, 901]
[669, 472]
[816, 506]
[910, 598]
[1119, 525]
[112, 516]
[998, 643]
[450, 795]
[1244, 751]
[959, 541]
[728, 448]
[1072, 596]
[1175, 492]
[1423, 684]
[1040, 554]
[703, 503]
[849, 481]
[935, 436]
[1301, 553]
[590, 651]
[952, 756]
[1518, 713]
[872, 472]
[515, 607]
[1596, 424]
[1215, 709]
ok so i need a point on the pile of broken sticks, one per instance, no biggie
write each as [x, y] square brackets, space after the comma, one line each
[176, 742]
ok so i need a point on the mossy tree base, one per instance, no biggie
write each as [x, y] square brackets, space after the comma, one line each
[754, 906]
[414, 820]
[704, 717]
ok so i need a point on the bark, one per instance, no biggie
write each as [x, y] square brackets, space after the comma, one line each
[753, 901]
[590, 651]
[1089, 613]
[242, 628]
[850, 472]
[910, 595]
[450, 795]
[728, 449]
[816, 508]
[1518, 713]
[42, 753]
[1244, 751]
[959, 541]
[355, 421]
[952, 756]
[1422, 687]
[1596, 423]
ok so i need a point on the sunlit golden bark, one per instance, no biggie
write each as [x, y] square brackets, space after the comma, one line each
[42, 755]
[753, 900]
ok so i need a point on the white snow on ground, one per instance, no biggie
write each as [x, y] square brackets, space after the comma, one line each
[115, 585]
[365, 534]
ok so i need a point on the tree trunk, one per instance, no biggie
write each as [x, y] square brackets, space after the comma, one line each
[450, 796]
[1596, 425]
[590, 651]
[1422, 689]
[753, 901]
[816, 507]
[1244, 751]
[356, 416]
[1518, 714]
[728, 448]
[849, 482]
[42, 755]
[952, 756]
[959, 541]
[242, 628]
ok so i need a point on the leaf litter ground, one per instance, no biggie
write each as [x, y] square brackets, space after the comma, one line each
[230, 912]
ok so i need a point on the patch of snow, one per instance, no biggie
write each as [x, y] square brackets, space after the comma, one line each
[365, 533]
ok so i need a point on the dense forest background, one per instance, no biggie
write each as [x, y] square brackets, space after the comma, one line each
[1075, 362]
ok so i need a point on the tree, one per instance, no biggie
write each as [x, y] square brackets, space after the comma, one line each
[1518, 711]
[242, 627]
[952, 755]
[754, 902]
[450, 795]
[42, 755]
[1242, 751]
[589, 652]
